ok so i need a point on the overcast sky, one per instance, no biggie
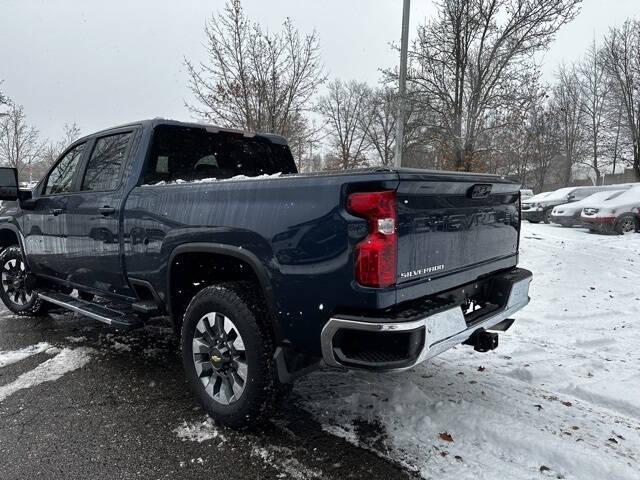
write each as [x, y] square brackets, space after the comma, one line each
[101, 63]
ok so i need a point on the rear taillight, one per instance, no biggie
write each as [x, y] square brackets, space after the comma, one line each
[375, 256]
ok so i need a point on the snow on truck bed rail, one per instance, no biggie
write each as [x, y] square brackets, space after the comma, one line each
[213, 180]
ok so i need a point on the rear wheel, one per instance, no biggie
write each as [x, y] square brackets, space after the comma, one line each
[15, 291]
[625, 224]
[227, 352]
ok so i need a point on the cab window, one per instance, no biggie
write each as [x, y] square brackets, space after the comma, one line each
[61, 177]
[194, 154]
[104, 168]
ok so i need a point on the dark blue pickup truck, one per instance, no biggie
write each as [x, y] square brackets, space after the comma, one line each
[266, 273]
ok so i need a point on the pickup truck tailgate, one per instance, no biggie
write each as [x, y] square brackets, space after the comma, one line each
[449, 222]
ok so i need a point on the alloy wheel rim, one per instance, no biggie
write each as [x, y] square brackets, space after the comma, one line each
[627, 226]
[220, 358]
[14, 276]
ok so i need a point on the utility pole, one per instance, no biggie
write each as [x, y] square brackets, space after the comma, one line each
[402, 87]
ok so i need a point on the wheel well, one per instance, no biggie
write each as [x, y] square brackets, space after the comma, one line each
[631, 215]
[193, 271]
[7, 238]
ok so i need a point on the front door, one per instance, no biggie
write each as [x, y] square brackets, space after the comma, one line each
[45, 239]
[93, 218]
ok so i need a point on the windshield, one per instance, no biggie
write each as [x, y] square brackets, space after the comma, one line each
[626, 197]
[539, 196]
[598, 197]
[560, 194]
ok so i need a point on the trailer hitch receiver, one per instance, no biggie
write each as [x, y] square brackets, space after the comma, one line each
[483, 341]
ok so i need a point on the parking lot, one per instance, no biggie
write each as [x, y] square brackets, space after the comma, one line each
[558, 399]
[120, 409]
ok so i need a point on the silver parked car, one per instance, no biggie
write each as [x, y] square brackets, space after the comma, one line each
[568, 214]
[540, 210]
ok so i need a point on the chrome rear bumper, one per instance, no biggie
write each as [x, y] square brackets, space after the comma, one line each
[442, 330]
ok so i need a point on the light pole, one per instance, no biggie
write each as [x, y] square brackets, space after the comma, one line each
[402, 87]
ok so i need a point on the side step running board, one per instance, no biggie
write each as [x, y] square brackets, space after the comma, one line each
[96, 311]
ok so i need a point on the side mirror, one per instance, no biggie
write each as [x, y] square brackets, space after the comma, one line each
[8, 183]
[570, 197]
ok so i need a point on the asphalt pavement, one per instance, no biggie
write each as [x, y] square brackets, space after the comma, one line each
[79, 399]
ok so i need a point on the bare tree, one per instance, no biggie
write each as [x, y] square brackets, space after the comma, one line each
[344, 110]
[378, 124]
[20, 145]
[474, 57]
[595, 89]
[3, 99]
[253, 79]
[70, 133]
[614, 141]
[566, 107]
[543, 145]
[622, 64]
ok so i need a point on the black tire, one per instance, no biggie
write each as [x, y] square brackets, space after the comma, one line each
[546, 216]
[625, 223]
[534, 221]
[236, 303]
[14, 292]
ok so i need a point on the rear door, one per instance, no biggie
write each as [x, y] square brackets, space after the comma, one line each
[93, 217]
[454, 222]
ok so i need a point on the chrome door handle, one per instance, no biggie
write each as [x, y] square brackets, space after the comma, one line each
[56, 211]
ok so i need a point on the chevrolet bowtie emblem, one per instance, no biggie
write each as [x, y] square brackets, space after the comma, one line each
[215, 358]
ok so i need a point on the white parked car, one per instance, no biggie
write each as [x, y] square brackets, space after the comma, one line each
[526, 193]
[531, 200]
[568, 214]
[620, 214]
[540, 209]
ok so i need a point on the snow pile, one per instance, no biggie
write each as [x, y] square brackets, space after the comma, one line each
[213, 180]
[560, 397]
[67, 360]
[9, 357]
[199, 432]
[76, 339]
[281, 459]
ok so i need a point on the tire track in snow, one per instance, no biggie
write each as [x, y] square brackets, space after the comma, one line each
[64, 362]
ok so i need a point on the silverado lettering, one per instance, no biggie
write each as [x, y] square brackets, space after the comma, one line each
[421, 271]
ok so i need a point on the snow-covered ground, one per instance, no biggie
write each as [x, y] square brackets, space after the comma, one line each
[560, 397]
